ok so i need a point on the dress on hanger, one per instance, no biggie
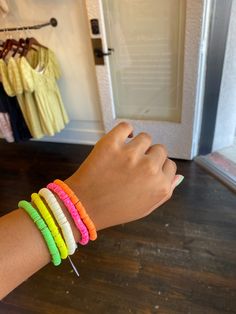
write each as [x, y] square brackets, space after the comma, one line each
[33, 80]
[26, 101]
[42, 82]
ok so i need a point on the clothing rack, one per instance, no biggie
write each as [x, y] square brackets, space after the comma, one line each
[53, 22]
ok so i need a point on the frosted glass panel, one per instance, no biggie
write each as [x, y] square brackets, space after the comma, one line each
[147, 64]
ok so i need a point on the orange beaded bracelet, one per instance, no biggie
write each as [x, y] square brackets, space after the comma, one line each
[78, 205]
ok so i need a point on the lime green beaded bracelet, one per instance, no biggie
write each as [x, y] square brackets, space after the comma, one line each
[37, 219]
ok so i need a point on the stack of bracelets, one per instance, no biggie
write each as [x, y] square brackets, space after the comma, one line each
[52, 222]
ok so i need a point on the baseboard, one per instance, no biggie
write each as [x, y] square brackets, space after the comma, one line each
[77, 132]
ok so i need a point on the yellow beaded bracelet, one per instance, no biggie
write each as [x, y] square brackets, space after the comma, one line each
[51, 224]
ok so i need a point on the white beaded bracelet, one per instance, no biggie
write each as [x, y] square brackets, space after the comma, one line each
[60, 218]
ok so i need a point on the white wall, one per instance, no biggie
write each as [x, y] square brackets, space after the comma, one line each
[226, 114]
[70, 41]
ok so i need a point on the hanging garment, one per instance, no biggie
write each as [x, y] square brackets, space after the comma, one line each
[14, 86]
[5, 80]
[42, 82]
[34, 130]
[33, 80]
[18, 126]
[5, 127]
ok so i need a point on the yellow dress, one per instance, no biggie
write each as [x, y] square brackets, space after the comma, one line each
[33, 80]
[42, 83]
[5, 80]
[26, 101]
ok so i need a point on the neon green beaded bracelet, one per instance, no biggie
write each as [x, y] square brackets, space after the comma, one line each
[37, 219]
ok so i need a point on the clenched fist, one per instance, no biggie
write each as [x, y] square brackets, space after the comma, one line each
[121, 181]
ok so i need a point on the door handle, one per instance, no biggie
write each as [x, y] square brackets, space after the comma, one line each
[100, 54]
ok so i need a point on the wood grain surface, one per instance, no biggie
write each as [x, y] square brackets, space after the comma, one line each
[180, 259]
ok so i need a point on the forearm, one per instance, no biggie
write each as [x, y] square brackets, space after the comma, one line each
[22, 250]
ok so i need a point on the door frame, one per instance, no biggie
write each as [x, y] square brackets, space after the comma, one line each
[181, 139]
[214, 133]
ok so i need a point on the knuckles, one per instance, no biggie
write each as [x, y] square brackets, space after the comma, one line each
[173, 165]
[150, 168]
[145, 136]
[125, 125]
[106, 147]
[162, 149]
[130, 157]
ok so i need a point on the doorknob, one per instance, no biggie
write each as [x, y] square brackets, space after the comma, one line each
[100, 54]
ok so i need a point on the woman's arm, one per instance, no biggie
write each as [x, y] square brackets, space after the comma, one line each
[118, 182]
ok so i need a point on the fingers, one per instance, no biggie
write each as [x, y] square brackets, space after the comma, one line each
[121, 132]
[169, 169]
[141, 142]
[177, 180]
[158, 153]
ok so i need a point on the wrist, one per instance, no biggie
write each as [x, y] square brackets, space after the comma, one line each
[79, 192]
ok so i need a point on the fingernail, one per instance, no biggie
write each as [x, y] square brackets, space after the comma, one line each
[179, 180]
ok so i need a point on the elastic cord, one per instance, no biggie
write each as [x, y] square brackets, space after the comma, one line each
[51, 224]
[40, 223]
[60, 218]
[82, 212]
[72, 210]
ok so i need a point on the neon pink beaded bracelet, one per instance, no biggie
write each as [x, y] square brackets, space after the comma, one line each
[72, 210]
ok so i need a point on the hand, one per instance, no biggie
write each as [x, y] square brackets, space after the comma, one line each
[121, 182]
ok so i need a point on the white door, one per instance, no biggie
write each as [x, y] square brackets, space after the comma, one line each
[154, 74]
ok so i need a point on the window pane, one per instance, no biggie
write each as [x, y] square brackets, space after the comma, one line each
[147, 64]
